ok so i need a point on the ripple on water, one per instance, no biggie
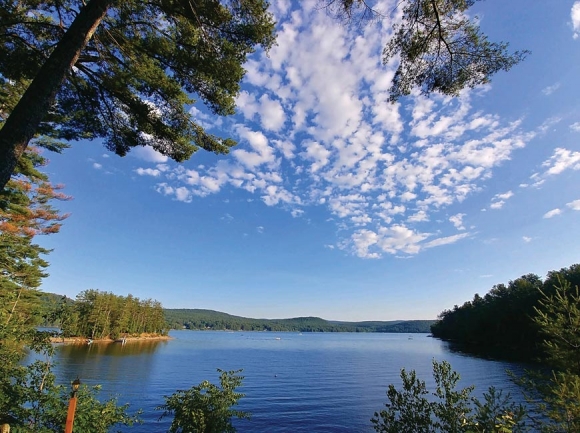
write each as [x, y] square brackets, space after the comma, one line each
[300, 383]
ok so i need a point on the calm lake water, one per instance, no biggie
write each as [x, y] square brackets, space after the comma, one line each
[310, 382]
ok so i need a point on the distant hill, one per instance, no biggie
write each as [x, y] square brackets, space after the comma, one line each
[209, 319]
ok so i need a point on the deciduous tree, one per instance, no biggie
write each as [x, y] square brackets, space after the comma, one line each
[206, 408]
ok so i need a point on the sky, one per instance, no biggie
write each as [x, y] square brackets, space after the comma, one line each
[337, 203]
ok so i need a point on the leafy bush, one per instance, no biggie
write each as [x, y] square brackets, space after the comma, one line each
[206, 408]
[413, 409]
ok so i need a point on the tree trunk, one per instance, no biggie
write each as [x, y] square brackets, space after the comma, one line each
[23, 122]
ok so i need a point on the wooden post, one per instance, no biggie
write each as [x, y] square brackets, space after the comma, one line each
[70, 416]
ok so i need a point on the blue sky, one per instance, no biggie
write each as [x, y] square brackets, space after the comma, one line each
[336, 203]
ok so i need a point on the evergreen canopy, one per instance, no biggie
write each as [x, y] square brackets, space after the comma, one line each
[440, 49]
[122, 70]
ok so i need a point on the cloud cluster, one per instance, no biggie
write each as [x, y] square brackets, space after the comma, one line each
[575, 15]
[316, 129]
[498, 200]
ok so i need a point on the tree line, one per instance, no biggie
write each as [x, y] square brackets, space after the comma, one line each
[99, 315]
[501, 323]
[214, 320]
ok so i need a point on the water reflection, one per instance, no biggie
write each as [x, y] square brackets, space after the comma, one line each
[131, 348]
[110, 363]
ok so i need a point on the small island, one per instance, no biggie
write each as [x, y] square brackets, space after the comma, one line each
[103, 317]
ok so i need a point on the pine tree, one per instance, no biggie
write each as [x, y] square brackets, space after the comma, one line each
[25, 212]
[125, 71]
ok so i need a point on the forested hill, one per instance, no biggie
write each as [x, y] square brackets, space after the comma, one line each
[209, 319]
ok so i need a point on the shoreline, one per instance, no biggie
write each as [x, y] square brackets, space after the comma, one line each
[80, 340]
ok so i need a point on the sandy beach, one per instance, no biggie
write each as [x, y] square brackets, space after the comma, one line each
[80, 340]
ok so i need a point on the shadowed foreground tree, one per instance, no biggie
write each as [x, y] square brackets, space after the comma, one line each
[440, 49]
[25, 212]
[122, 70]
[556, 395]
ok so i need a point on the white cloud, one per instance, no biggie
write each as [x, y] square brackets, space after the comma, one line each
[296, 213]
[575, 127]
[418, 217]
[97, 166]
[329, 138]
[394, 239]
[262, 152]
[552, 213]
[182, 194]
[561, 160]
[526, 239]
[275, 194]
[498, 200]
[574, 205]
[147, 153]
[260, 229]
[550, 89]
[317, 153]
[457, 221]
[164, 189]
[227, 218]
[505, 195]
[148, 172]
[271, 113]
[575, 15]
[445, 240]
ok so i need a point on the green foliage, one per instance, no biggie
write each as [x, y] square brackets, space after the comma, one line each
[43, 405]
[208, 319]
[414, 410]
[130, 82]
[558, 317]
[25, 212]
[501, 322]
[439, 48]
[206, 408]
[541, 320]
[99, 315]
[94, 415]
[557, 395]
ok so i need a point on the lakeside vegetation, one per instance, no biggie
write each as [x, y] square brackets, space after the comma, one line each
[101, 315]
[501, 323]
[539, 317]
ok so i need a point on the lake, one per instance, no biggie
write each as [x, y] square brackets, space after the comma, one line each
[309, 382]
